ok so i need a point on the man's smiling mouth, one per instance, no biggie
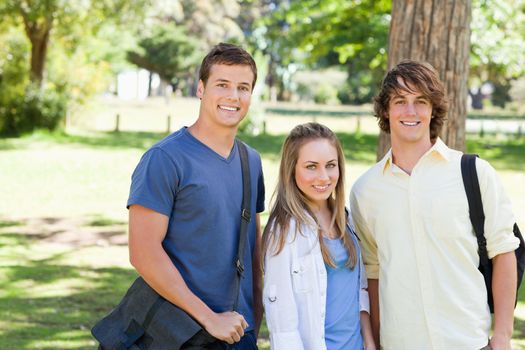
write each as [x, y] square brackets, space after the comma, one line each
[410, 123]
[229, 108]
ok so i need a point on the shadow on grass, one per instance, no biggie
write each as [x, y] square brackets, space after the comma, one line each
[10, 223]
[503, 153]
[46, 303]
[73, 233]
[55, 319]
[99, 220]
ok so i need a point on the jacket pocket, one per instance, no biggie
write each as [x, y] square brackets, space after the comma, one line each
[302, 274]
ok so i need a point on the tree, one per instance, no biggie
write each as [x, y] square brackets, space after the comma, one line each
[212, 21]
[40, 17]
[437, 31]
[321, 33]
[167, 51]
[72, 33]
[498, 47]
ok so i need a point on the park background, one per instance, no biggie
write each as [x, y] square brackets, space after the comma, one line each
[87, 86]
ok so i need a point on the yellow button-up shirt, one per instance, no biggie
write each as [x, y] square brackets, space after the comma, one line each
[417, 239]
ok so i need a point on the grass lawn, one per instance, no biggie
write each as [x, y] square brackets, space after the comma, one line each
[63, 253]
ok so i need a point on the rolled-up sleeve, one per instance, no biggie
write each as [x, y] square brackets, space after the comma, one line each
[364, 301]
[499, 219]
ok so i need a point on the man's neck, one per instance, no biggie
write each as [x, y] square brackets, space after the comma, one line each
[406, 155]
[219, 140]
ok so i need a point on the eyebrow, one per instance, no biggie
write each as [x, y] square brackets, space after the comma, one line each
[419, 97]
[221, 80]
[314, 162]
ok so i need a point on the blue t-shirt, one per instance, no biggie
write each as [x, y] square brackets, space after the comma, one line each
[342, 322]
[201, 193]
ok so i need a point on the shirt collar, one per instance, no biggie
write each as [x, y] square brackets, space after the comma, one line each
[438, 149]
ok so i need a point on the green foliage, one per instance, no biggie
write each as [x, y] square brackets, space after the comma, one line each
[497, 45]
[321, 33]
[23, 106]
[37, 108]
[77, 57]
[13, 66]
[167, 51]
[325, 94]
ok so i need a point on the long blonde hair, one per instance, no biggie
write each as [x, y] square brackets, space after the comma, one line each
[290, 203]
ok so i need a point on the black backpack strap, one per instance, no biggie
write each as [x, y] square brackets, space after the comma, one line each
[477, 215]
[245, 217]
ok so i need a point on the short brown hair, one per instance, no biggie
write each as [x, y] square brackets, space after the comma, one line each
[228, 54]
[420, 76]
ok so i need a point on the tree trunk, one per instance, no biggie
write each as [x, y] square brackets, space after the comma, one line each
[436, 31]
[38, 34]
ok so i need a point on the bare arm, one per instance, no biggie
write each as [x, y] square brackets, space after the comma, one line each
[366, 331]
[373, 293]
[147, 229]
[504, 294]
[257, 277]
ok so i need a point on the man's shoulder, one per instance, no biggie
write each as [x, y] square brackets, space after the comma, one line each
[369, 177]
[172, 141]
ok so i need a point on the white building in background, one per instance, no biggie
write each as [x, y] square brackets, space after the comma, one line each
[133, 84]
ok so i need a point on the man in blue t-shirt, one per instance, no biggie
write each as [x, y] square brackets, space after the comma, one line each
[185, 201]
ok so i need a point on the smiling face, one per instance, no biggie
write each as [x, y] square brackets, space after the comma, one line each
[317, 171]
[409, 114]
[226, 96]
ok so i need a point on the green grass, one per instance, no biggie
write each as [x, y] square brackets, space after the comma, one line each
[63, 248]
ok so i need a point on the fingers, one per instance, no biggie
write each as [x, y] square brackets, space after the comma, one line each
[230, 328]
[244, 324]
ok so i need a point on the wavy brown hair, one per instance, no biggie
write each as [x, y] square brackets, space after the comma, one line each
[290, 203]
[420, 76]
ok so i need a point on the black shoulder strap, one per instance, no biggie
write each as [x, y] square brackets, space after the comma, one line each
[245, 217]
[477, 215]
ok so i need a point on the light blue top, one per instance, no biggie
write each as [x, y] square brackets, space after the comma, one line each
[342, 322]
[201, 193]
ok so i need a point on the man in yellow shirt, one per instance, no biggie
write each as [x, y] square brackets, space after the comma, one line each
[412, 217]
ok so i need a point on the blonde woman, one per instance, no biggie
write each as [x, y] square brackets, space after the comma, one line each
[314, 293]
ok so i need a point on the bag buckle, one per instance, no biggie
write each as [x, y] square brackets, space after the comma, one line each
[245, 214]
[239, 266]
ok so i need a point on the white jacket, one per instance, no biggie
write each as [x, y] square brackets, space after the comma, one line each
[294, 294]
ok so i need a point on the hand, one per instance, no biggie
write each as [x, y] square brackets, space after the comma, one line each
[370, 345]
[500, 342]
[226, 326]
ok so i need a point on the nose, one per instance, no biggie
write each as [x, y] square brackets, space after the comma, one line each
[233, 93]
[323, 174]
[410, 109]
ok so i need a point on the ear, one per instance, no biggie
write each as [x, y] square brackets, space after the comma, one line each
[200, 89]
